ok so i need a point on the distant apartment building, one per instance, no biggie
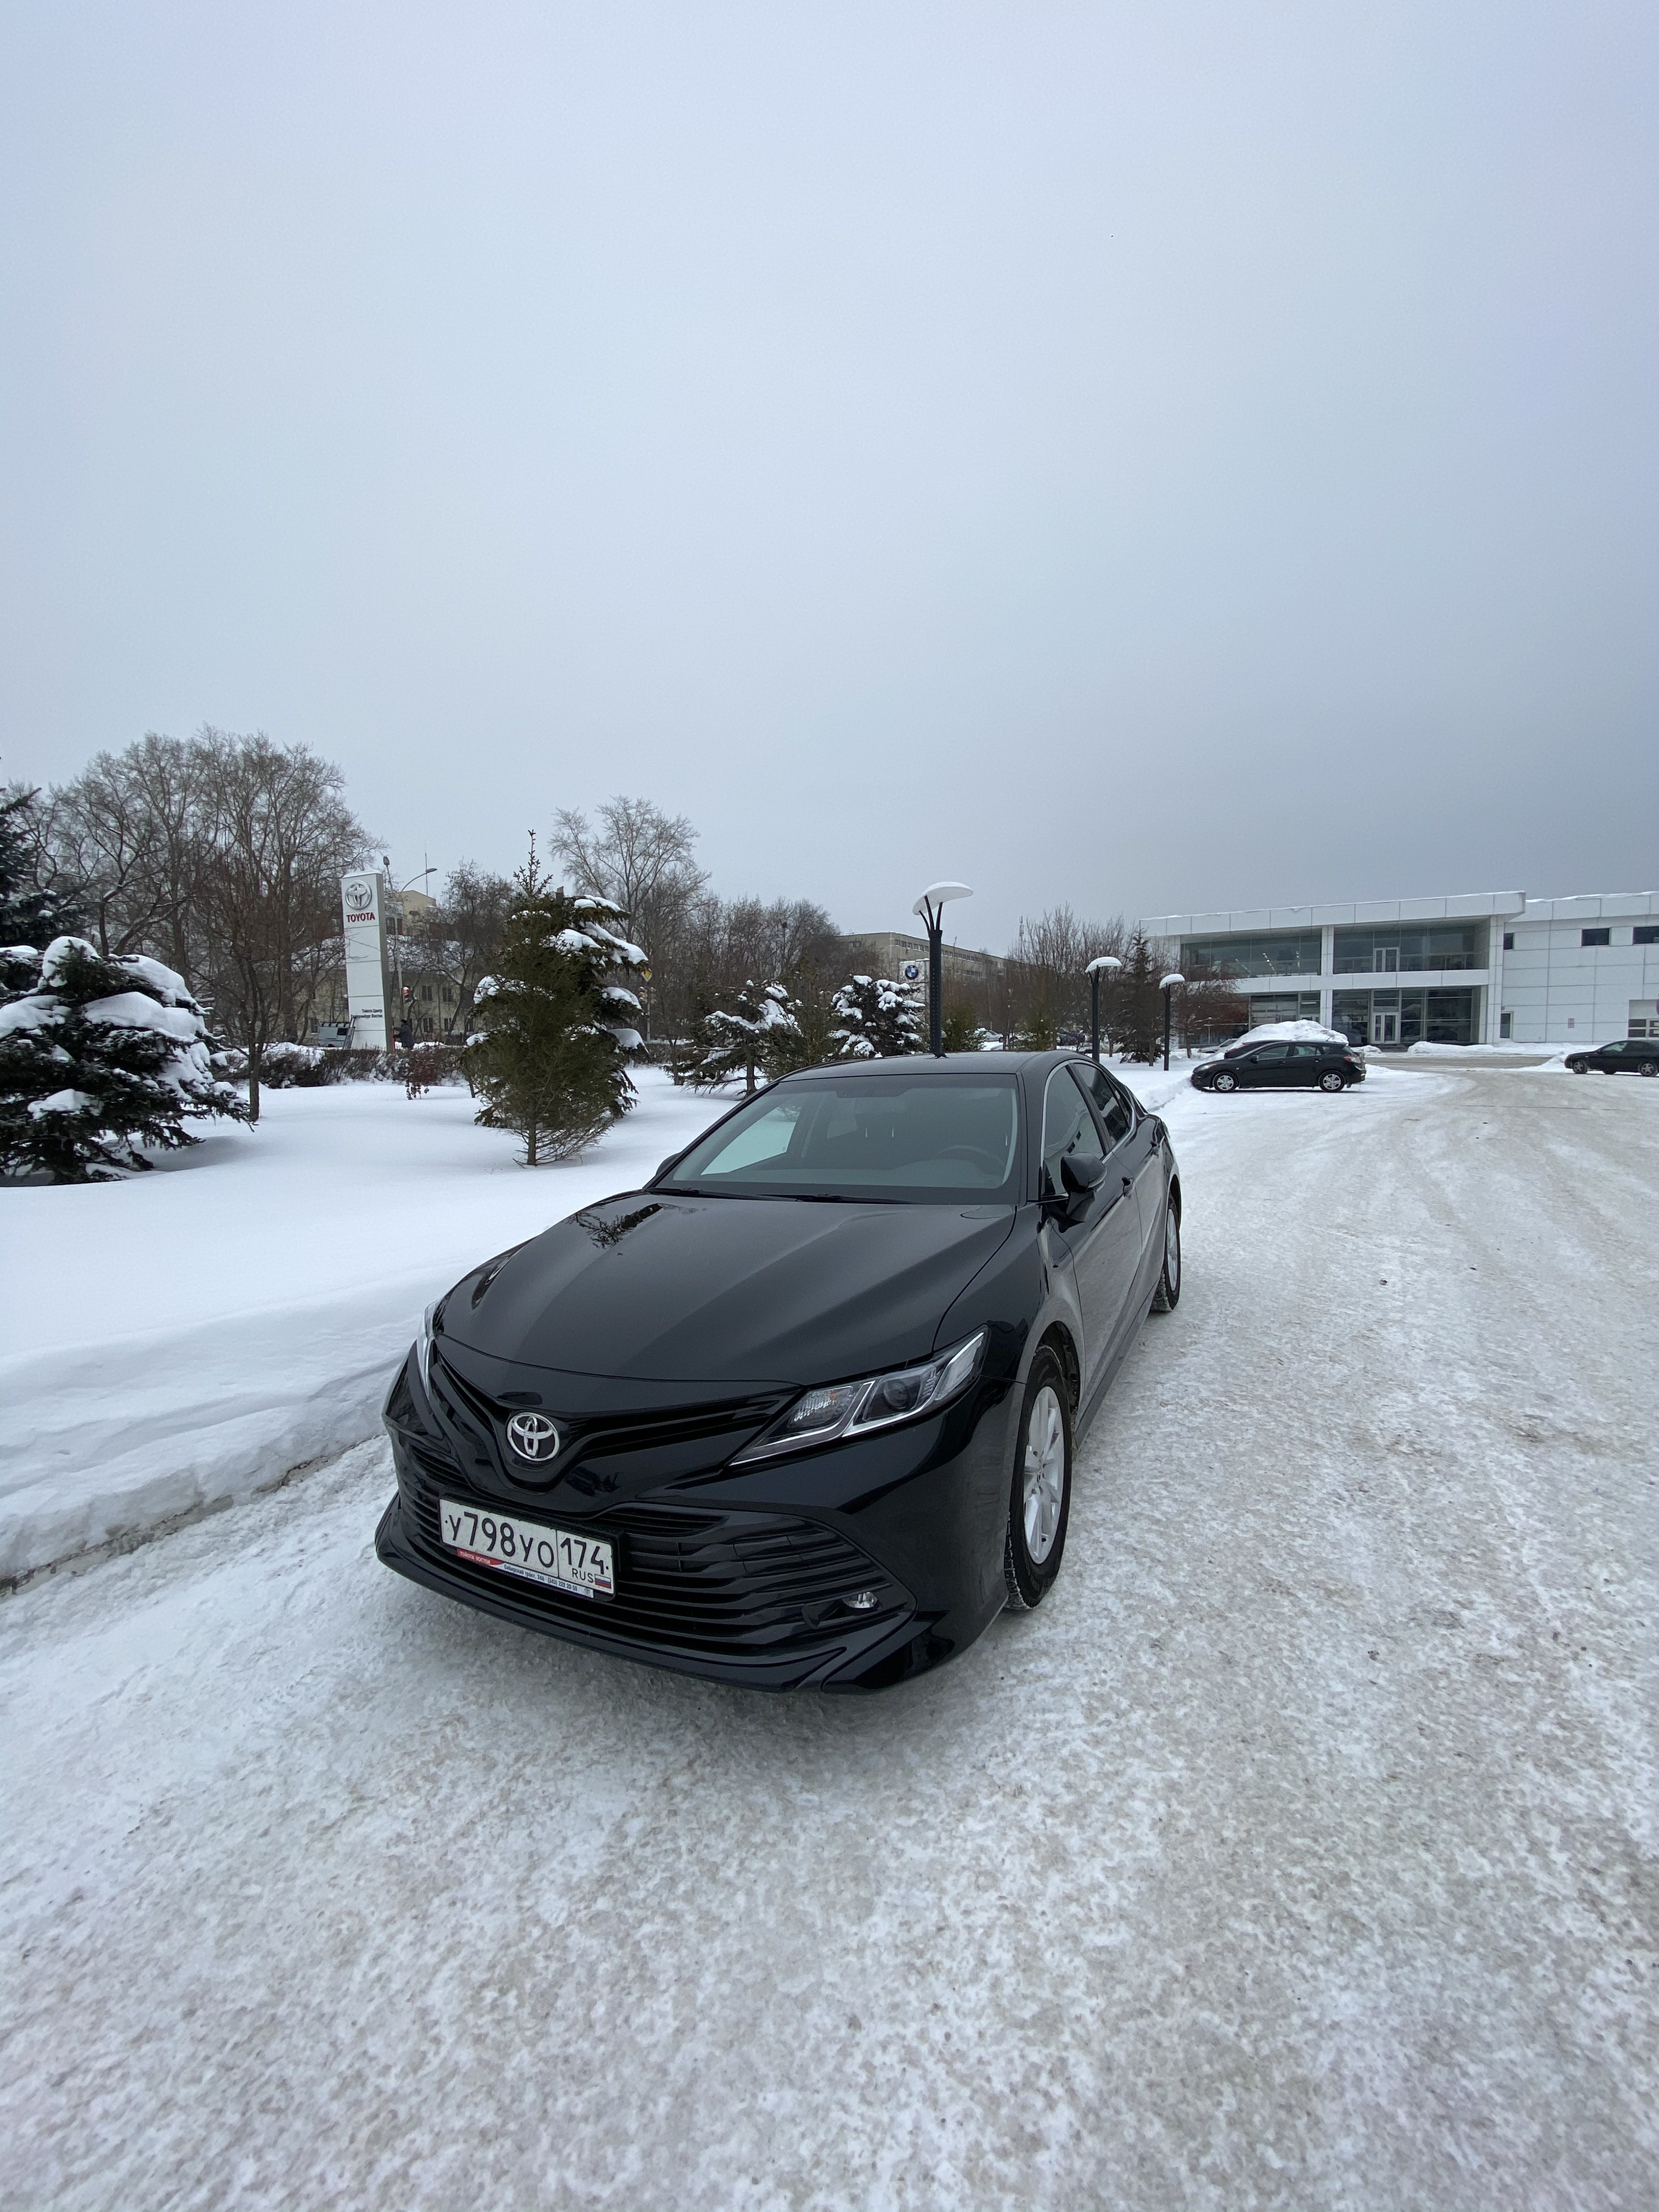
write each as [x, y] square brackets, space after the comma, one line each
[1470, 969]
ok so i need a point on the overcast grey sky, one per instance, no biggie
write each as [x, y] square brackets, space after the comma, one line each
[1153, 456]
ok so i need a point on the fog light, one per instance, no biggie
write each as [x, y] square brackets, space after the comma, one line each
[863, 1601]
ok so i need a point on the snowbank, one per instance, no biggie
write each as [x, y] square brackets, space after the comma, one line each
[1299, 1032]
[190, 1335]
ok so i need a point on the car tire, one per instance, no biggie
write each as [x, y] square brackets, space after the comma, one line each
[1648, 1067]
[1330, 1080]
[1039, 1500]
[1579, 1066]
[1167, 1296]
[1225, 1082]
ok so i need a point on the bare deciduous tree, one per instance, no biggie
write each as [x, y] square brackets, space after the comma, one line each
[274, 836]
[1046, 981]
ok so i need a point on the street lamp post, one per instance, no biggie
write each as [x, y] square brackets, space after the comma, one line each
[397, 939]
[1169, 985]
[1094, 971]
[930, 906]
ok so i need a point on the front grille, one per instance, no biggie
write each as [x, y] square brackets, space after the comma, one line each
[689, 1439]
[687, 1578]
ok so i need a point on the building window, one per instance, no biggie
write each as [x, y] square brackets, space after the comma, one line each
[1405, 1017]
[1292, 953]
[1508, 940]
[1645, 933]
[1506, 1023]
[1595, 937]
[1382, 951]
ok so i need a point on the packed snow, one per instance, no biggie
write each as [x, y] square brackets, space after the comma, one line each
[1298, 1853]
[185, 1337]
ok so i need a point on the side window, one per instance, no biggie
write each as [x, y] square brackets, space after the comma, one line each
[1304, 1052]
[1068, 1126]
[1273, 1055]
[1111, 1105]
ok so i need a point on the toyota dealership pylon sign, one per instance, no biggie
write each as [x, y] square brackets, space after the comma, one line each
[362, 901]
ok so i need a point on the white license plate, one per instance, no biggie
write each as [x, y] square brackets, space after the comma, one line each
[555, 1556]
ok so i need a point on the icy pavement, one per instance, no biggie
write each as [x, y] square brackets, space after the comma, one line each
[1299, 1852]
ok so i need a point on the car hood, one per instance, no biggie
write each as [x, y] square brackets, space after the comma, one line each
[719, 1290]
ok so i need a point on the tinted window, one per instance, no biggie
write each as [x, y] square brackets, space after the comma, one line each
[1595, 936]
[870, 1136]
[1068, 1126]
[1110, 1103]
[1306, 1051]
[1270, 1055]
[1645, 933]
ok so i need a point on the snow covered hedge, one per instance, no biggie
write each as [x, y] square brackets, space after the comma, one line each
[97, 1058]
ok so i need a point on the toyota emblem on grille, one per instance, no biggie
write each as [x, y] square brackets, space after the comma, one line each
[534, 1436]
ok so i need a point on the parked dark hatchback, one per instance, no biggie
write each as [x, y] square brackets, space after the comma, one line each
[1626, 1056]
[1282, 1064]
[802, 1410]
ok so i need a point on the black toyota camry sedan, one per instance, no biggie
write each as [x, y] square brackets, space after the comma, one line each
[802, 1411]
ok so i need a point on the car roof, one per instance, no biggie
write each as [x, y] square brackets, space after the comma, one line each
[954, 1064]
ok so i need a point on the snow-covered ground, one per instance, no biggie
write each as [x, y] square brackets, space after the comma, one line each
[1300, 1852]
[190, 1336]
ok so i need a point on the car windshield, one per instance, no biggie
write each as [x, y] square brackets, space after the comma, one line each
[919, 1142]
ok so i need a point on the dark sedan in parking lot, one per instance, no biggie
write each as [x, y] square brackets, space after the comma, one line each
[802, 1410]
[1626, 1056]
[1282, 1064]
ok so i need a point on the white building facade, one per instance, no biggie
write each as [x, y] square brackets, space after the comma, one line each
[1476, 967]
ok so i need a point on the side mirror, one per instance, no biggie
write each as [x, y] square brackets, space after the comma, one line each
[1082, 1179]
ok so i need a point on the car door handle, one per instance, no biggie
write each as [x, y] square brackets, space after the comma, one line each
[1127, 1184]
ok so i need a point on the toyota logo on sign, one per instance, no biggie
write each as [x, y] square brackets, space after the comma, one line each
[359, 897]
[534, 1436]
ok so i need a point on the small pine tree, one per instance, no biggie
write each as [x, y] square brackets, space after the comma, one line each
[876, 1019]
[97, 1058]
[960, 1030]
[29, 914]
[1136, 1003]
[549, 1057]
[755, 1035]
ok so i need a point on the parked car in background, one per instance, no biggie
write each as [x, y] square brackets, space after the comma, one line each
[1624, 1056]
[1282, 1064]
[802, 1411]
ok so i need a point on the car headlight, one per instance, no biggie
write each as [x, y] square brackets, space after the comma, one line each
[878, 1401]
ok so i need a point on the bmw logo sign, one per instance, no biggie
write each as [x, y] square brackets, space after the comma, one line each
[534, 1436]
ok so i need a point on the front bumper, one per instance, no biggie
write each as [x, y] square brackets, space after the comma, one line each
[743, 1575]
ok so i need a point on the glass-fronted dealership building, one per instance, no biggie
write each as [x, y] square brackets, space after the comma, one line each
[1473, 969]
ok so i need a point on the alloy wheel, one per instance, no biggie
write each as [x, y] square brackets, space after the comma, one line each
[1045, 1473]
[1225, 1083]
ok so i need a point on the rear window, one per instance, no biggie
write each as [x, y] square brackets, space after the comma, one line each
[887, 1136]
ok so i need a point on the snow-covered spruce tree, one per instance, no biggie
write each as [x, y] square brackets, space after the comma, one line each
[30, 914]
[549, 1056]
[97, 1058]
[876, 1019]
[1136, 1005]
[753, 1037]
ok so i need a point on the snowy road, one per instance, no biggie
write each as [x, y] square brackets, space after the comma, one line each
[1301, 1851]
